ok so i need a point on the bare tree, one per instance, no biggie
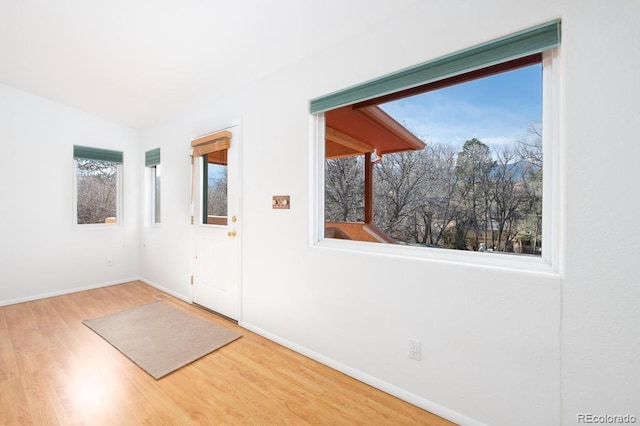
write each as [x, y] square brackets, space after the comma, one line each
[437, 196]
[217, 190]
[531, 150]
[531, 153]
[474, 166]
[400, 184]
[438, 206]
[344, 189]
[507, 197]
[97, 187]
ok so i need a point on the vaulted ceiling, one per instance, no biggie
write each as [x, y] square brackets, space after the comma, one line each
[138, 62]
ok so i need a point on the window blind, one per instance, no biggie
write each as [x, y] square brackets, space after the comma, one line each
[211, 143]
[514, 46]
[90, 153]
[152, 158]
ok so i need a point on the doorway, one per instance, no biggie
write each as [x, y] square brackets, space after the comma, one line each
[216, 221]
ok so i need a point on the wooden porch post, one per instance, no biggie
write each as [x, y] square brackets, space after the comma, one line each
[368, 188]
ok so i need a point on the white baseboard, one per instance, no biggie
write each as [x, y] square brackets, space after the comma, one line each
[63, 292]
[166, 290]
[368, 379]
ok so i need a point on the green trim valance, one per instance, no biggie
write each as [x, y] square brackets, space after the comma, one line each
[518, 45]
[90, 153]
[152, 158]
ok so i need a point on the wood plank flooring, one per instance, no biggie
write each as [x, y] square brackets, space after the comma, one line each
[56, 371]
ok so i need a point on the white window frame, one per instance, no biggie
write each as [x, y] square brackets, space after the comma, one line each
[548, 263]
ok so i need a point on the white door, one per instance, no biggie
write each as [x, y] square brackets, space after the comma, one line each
[216, 222]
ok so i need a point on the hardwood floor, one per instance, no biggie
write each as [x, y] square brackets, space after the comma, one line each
[54, 370]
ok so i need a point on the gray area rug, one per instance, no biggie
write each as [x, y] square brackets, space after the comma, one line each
[160, 338]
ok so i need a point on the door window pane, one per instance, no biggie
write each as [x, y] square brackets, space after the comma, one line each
[215, 188]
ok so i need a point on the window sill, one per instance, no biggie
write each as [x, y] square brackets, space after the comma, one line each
[97, 226]
[492, 260]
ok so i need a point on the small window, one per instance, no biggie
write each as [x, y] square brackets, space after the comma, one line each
[98, 185]
[152, 162]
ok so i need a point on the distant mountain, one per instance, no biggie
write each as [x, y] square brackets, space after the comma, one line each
[519, 169]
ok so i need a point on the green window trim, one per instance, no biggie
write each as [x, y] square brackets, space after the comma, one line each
[523, 43]
[152, 157]
[90, 153]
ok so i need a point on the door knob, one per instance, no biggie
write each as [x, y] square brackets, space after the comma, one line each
[232, 234]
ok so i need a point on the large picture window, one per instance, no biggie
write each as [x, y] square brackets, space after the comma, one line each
[448, 154]
[98, 185]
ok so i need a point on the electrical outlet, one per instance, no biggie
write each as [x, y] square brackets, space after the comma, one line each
[108, 261]
[414, 349]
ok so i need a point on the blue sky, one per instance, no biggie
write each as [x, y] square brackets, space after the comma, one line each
[497, 109]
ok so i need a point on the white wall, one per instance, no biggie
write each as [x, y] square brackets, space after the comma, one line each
[41, 251]
[500, 347]
[601, 316]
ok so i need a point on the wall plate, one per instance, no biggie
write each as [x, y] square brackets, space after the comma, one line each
[281, 202]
